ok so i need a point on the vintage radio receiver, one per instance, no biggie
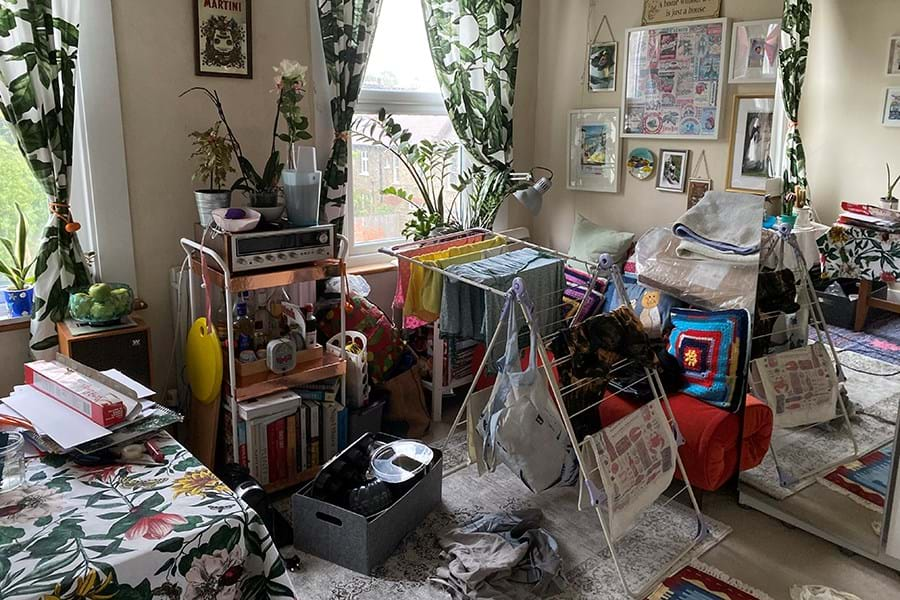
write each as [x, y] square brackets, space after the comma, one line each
[271, 246]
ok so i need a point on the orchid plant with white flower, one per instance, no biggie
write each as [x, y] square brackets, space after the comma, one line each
[290, 82]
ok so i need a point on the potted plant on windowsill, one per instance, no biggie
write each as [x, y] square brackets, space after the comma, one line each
[213, 153]
[19, 295]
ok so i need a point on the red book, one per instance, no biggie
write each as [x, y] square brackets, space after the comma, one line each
[281, 455]
[272, 445]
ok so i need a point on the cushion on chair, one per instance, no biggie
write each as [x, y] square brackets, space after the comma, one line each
[710, 434]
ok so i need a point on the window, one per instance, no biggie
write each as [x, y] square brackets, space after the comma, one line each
[399, 78]
[364, 162]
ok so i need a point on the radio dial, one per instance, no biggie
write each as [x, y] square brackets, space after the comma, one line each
[241, 261]
[269, 257]
[323, 238]
[258, 259]
[281, 256]
[292, 254]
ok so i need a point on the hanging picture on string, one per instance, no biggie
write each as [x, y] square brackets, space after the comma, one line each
[602, 67]
[698, 184]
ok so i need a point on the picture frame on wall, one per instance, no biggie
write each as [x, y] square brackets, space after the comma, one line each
[223, 39]
[754, 51]
[602, 58]
[893, 67]
[752, 134]
[672, 173]
[674, 76]
[594, 149]
[697, 188]
[891, 116]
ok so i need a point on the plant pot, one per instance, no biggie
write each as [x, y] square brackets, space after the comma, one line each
[19, 302]
[263, 199]
[789, 219]
[301, 196]
[888, 203]
[208, 201]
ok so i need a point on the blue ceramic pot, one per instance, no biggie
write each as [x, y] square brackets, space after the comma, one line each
[19, 302]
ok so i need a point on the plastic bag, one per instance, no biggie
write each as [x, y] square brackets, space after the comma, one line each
[819, 592]
[521, 426]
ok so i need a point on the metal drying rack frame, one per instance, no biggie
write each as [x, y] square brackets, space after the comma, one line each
[811, 311]
[517, 297]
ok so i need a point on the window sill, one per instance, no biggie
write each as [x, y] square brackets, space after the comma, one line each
[14, 323]
[372, 269]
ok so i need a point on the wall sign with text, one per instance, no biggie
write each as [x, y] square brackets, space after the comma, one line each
[665, 11]
[222, 38]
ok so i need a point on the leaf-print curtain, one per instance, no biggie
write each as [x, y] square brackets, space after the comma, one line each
[475, 50]
[794, 48]
[348, 29]
[38, 52]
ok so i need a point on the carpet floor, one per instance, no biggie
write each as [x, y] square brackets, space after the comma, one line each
[807, 452]
[660, 535]
[880, 339]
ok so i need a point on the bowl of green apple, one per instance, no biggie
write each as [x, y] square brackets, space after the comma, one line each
[101, 303]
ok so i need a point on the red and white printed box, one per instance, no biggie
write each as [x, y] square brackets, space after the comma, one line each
[101, 404]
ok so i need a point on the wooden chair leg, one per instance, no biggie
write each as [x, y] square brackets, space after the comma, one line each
[862, 304]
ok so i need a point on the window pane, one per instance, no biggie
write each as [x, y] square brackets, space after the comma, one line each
[18, 185]
[400, 59]
[378, 216]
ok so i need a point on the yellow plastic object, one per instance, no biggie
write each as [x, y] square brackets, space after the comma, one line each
[203, 356]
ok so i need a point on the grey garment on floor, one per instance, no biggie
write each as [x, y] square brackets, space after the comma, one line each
[500, 555]
[469, 312]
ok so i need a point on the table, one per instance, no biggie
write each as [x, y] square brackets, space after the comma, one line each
[864, 254]
[133, 531]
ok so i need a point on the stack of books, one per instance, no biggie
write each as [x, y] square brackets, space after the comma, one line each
[283, 435]
[870, 217]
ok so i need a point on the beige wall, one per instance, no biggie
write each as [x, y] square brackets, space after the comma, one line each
[843, 100]
[564, 30]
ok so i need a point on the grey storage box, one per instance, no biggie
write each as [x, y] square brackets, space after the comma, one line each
[355, 542]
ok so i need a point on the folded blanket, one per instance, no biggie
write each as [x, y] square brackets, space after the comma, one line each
[721, 223]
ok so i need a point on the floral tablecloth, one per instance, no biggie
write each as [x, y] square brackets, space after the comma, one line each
[859, 253]
[133, 532]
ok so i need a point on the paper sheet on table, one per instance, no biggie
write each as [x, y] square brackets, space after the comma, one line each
[138, 388]
[63, 425]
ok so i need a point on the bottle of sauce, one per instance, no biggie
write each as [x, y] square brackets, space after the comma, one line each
[311, 325]
[243, 328]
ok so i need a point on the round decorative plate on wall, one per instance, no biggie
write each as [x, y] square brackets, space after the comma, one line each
[641, 163]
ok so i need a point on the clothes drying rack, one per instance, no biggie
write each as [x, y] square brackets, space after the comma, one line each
[809, 315]
[517, 297]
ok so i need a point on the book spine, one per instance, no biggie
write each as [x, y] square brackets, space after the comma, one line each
[272, 441]
[343, 427]
[242, 444]
[263, 447]
[329, 430]
[282, 449]
[291, 450]
[304, 434]
[315, 420]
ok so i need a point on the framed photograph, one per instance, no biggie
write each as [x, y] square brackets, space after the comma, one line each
[674, 76]
[222, 39]
[751, 144]
[672, 173]
[602, 67]
[894, 56]
[891, 116]
[696, 189]
[594, 139]
[754, 51]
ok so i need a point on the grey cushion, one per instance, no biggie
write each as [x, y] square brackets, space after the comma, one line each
[589, 241]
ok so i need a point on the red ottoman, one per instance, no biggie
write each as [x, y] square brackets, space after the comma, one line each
[710, 434]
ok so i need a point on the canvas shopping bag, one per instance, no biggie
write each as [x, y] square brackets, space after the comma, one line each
[800, 385]
[521, 426]
[629, 464]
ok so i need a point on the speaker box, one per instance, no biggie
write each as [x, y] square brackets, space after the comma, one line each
[126, 349]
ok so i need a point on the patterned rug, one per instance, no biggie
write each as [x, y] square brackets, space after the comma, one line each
[699, 581]
[879, 340]
[864, 480]
[804, 452]
[588, 568]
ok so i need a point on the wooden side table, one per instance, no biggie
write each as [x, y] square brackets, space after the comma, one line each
[126, 349]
